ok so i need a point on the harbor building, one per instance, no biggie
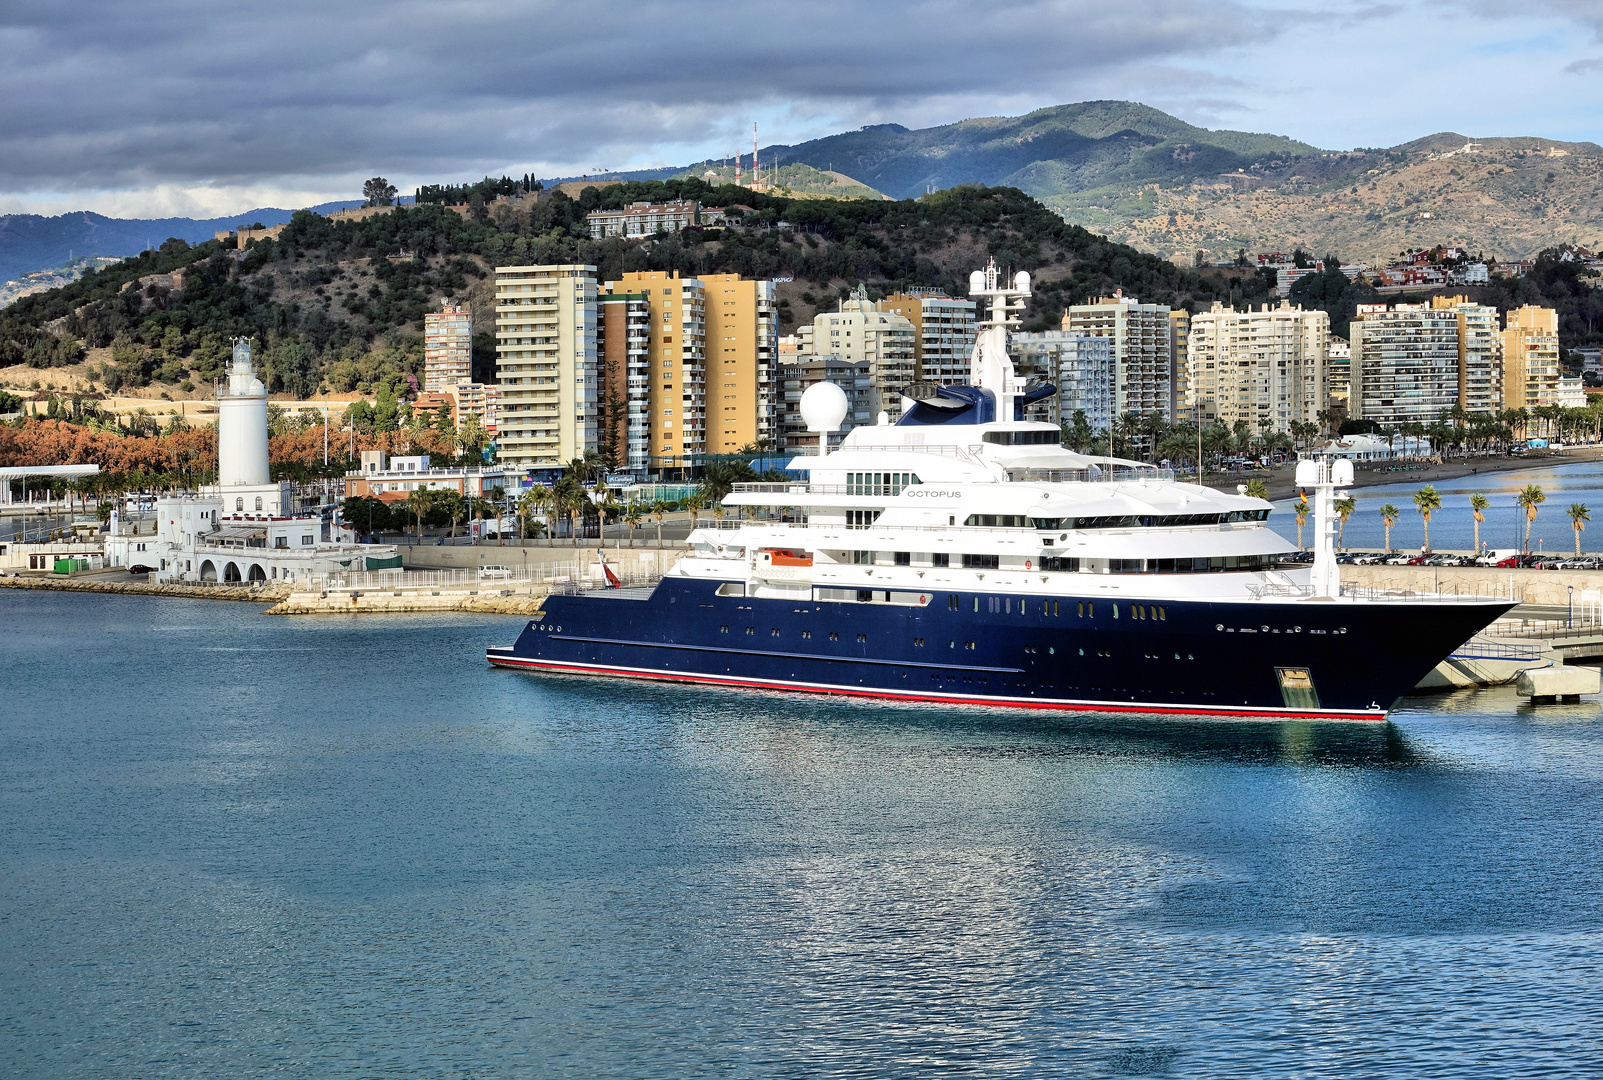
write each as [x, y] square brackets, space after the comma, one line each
[1079, 365]
[1531, 369]
[858, 332]
[943, 332]
[447, 347]
[1264, 366]
[246, 527]
[1143, 365]
[546, 364]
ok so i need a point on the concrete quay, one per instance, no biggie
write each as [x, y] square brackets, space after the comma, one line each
[526, 600]
[1552, 588]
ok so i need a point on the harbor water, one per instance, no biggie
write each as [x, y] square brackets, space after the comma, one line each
[343, 847]
[1452, 528]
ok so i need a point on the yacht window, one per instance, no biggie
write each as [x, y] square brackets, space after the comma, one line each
[879, 483]
[1024, 438]
[861, 519]
[862, 558]
[904, 558]
[982, 562]
[1062, 563]
[998, 521]
[940, 558]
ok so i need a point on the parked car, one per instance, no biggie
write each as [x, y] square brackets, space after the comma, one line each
[494, 570]
[141, 568]
[1369, 558]
[1402, 559]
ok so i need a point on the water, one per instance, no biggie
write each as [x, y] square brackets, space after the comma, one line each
[341, 847]
[1453, 526]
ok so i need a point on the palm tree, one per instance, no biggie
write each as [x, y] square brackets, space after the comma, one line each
[1344, 507]
[1257, 489]
[631, 518]
[418, 502]
[1529, 500]
[1300, 508]
[527, 504]
[659, 510]
[1578, 519]
[695, 502]
[539, 498]
[1428, 501]
[1388, 515]
[1477, 504]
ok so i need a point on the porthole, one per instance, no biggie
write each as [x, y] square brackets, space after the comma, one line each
[1221, 626]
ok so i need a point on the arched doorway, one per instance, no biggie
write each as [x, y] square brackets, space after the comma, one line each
[208, 572]
[231, 572]
[257, 573]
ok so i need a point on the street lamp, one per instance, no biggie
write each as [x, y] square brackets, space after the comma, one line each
[1569, 618]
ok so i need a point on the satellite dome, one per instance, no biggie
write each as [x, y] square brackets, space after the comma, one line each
[823, 407]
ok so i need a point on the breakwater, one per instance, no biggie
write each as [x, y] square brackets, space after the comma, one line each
[257, 594]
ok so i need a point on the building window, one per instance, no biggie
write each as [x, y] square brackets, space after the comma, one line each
[258, 502]
[239, 505]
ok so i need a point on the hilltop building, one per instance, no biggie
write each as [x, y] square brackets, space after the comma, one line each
[643, 219]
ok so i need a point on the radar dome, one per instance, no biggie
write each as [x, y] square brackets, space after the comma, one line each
[976, 283]
[823, 407]
[1021, 282]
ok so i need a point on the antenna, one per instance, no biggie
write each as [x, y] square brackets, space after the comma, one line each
[756, 176]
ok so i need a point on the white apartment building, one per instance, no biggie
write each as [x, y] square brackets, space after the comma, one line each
[447, 347]
[1079, 365]
[1404, 363]
[546, 364]
[859, 332]
[1480, 354]
[1143, 375]
[1261, 365]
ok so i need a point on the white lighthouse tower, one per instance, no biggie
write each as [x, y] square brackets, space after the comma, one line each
[242, 424]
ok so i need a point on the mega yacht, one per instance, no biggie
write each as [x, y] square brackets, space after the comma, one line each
[961, 554]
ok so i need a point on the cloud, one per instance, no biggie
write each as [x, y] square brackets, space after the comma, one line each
[303, 96]
[1582, 67]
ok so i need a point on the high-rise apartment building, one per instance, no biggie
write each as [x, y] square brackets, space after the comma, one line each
[742, 363]
[676, 364]
[546, 363]
[1262, 366]
[859, 332]
[1142, 363]
[1404, 363]
[1531, 370]
[1480, 353]
[623, 340]
[1180, 384]
[702, 367]
[943, 333]
[447, 347]
[1339, 374]
[1079, 365]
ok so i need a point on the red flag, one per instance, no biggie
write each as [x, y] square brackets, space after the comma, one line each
[612, 579]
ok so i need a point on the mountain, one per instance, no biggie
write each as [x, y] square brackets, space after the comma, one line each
[795, 180]
[1145, 178]
[30, 242]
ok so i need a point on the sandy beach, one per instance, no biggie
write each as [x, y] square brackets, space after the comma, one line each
[1281, 486]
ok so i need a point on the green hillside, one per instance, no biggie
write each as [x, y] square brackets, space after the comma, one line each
[339, 306]
[794, 179]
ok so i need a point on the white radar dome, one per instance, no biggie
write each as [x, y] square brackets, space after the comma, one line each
[823, 407]
[976, 283]
[1021, 282]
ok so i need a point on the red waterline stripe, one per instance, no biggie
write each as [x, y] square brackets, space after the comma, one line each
[1112, 706]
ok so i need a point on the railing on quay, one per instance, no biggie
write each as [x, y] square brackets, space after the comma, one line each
[576, 573]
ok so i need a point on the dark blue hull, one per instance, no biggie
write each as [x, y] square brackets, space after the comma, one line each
[1194, 657]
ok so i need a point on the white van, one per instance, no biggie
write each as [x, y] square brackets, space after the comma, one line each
[494, 570]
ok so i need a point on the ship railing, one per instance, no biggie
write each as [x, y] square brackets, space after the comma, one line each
[1485, 648]
[1366, 592]
[1100, 475]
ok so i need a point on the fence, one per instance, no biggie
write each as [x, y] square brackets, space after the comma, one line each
[580, 574]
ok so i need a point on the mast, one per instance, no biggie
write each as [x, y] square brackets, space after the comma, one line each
[989, 365]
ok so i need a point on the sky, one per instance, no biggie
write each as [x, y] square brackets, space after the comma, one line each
[138, 108]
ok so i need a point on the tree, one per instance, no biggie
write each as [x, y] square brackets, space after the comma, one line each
[1344, 507]
[631, 518]
[1478, 504]
[659, 510]
[1257, 489]
[1388, 515]
[378, 192]
[1300, 508]
[1530, 500]
[695, 502]
[1579, 516]
[1428, 501]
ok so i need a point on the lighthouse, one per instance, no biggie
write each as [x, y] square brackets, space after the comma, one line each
[242, 424]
